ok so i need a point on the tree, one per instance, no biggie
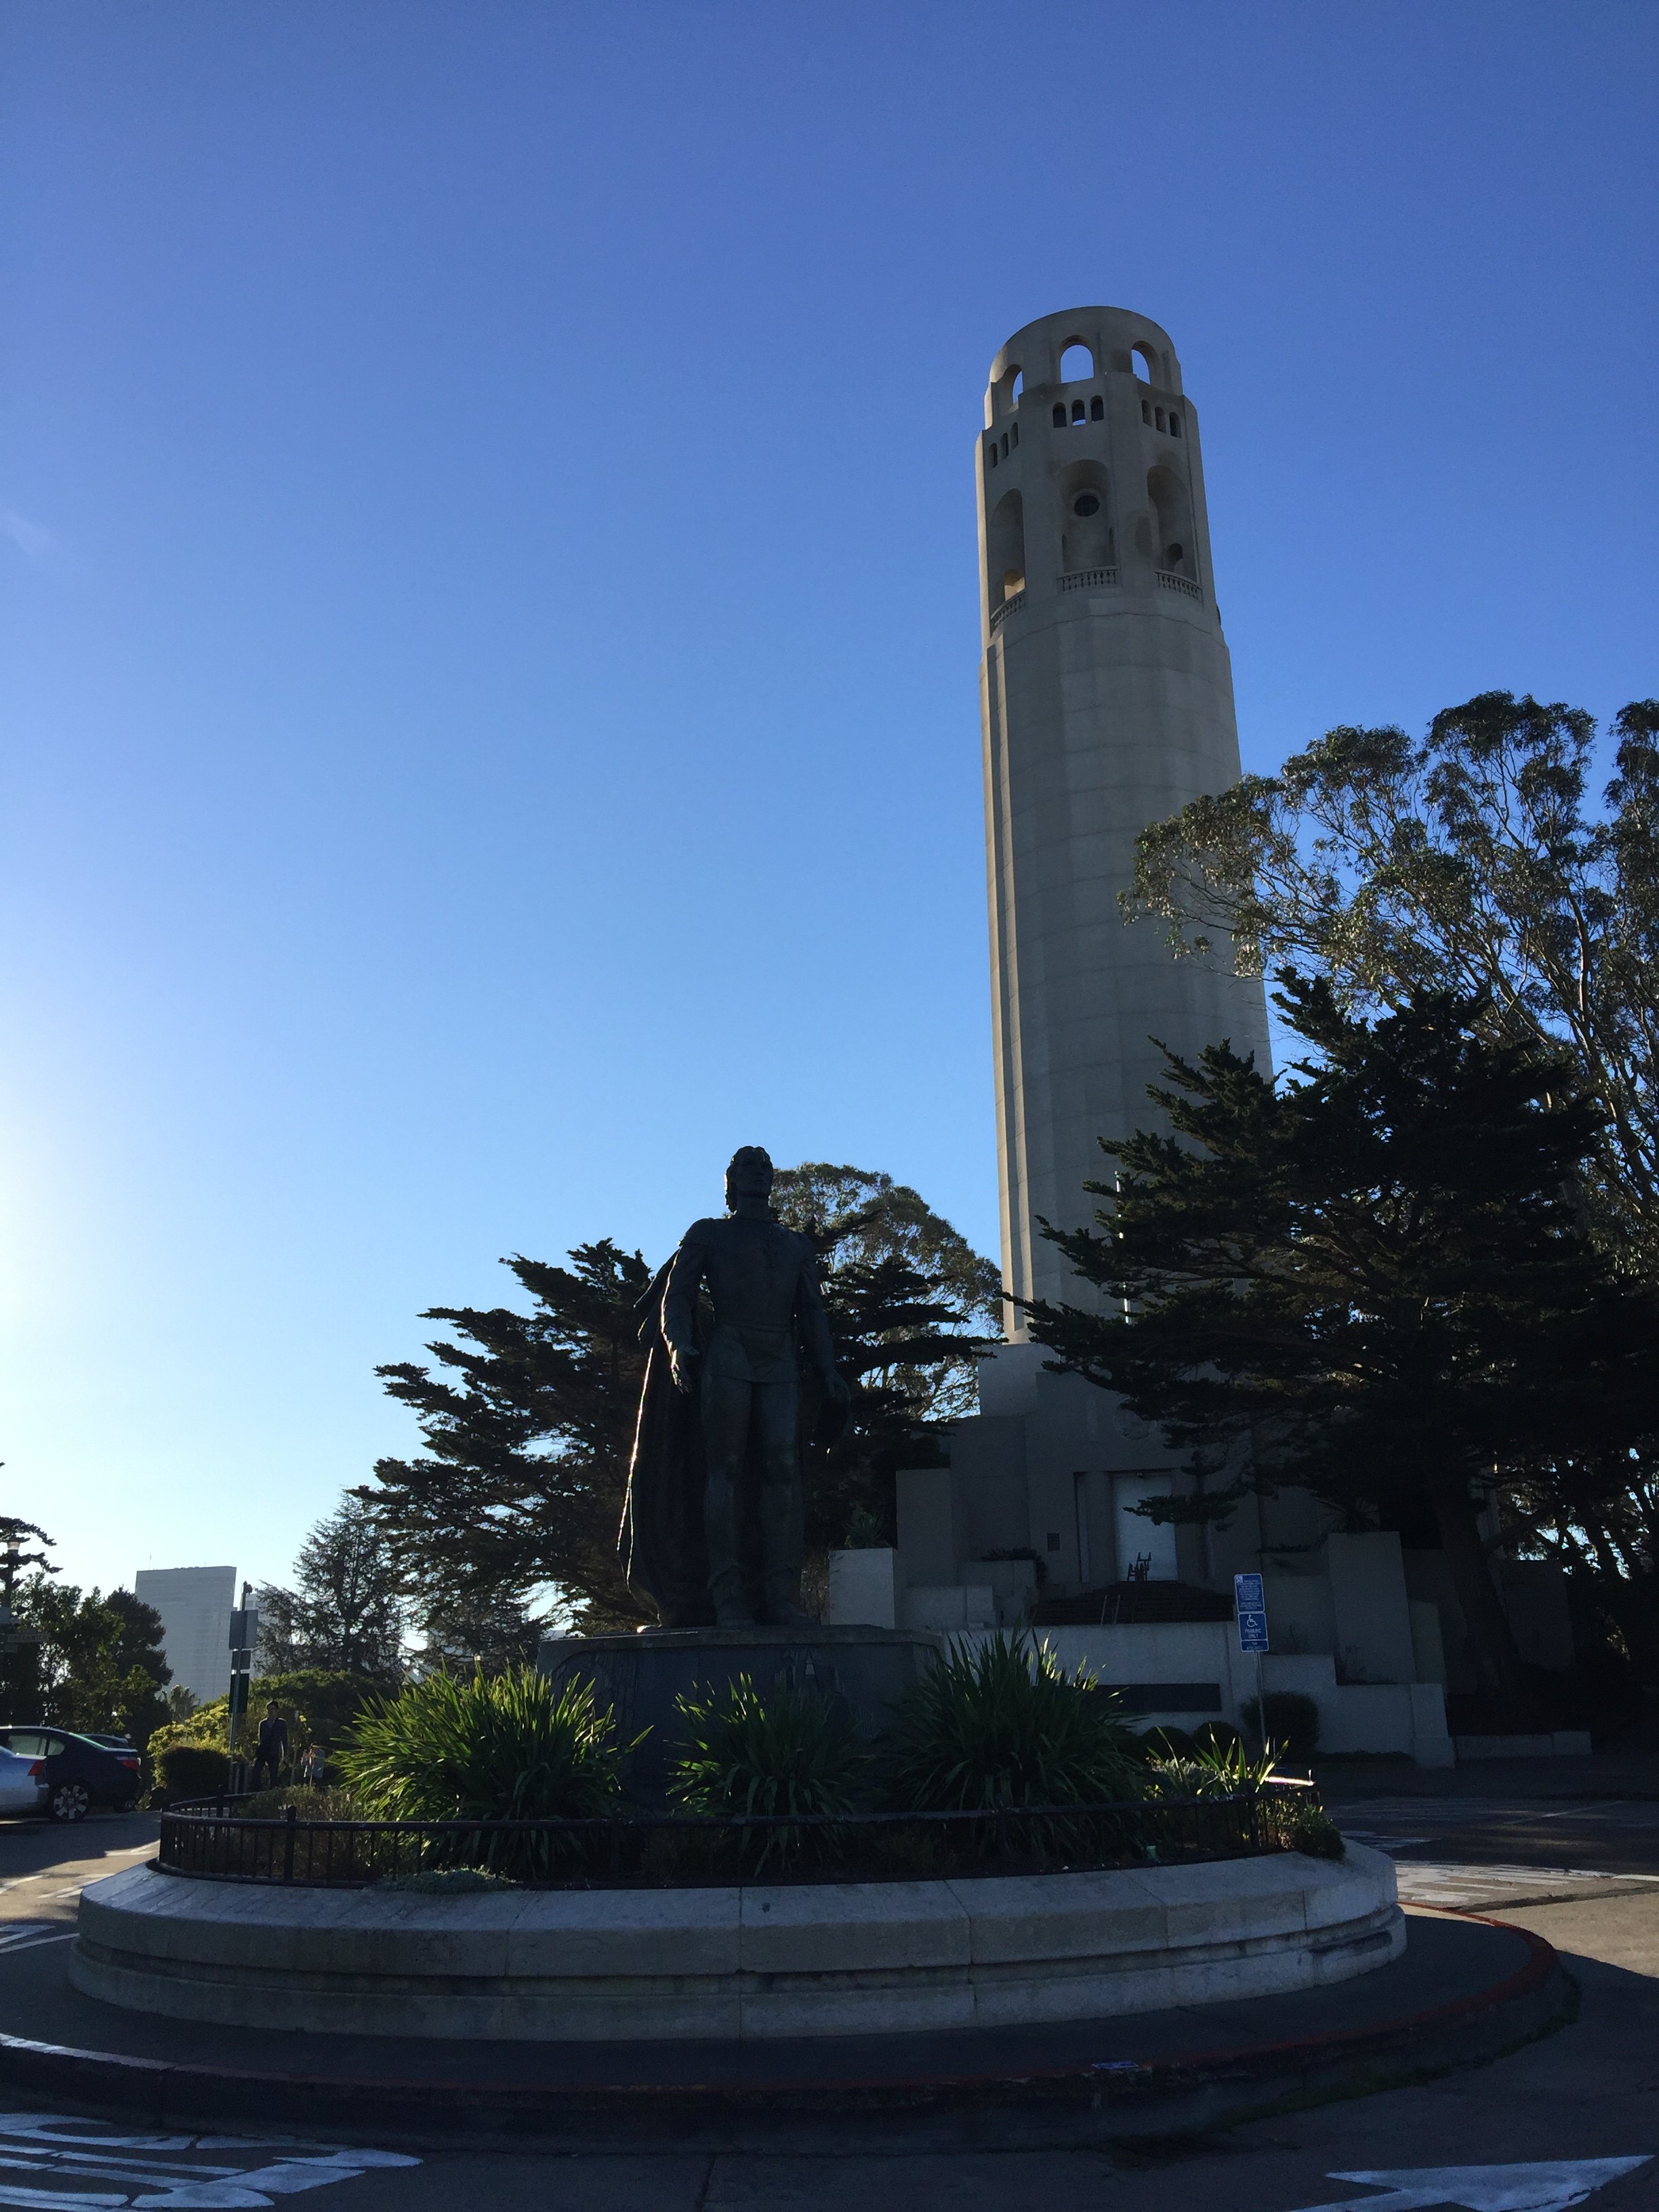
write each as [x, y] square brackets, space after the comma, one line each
[1470, 862]
[910, 1305]
[347, 1614]
[527, 1428]
[493, 1631]
[1372, 1283]
[99, 1666]
[527, 1421]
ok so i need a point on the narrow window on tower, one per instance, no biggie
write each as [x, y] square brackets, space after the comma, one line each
[1096, 409]
[1160, 418]
[1005, 548]
[992, 450]
[1145, 410]
[1174, 424]
[1059, 414]
[1004, 445]
[1014, 434]
[1078, 412]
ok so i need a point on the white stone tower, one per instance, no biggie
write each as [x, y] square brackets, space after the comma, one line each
[1108, 702]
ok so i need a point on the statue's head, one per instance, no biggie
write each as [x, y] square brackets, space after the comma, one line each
[750, 1175]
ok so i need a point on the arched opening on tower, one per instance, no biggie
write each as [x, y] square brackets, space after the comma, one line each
[1141, 359]
[1085, 519]
[1004, 549]
[1172, 523]
[1077, 363]
[1008, 387]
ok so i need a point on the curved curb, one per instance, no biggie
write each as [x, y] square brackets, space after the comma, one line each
[1076, 2104]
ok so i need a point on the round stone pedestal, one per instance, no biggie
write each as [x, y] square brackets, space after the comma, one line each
[740, 1964]
[866, 1670]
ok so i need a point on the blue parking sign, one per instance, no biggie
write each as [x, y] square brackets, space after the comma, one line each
[1251, 1600]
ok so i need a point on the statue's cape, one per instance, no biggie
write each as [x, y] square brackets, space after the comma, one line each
[660, 1541]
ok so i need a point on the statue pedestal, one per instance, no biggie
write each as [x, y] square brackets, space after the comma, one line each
[867, 1670]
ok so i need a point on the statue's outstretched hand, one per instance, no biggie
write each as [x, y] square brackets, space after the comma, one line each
[834, 1388]
[683, 1365]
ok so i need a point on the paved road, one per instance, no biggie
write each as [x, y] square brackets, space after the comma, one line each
[1590, 2093]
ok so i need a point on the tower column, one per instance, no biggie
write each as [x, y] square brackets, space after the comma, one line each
[1107, 702]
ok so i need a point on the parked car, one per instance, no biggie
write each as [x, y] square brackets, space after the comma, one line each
[23, 1784]
[80, 1771]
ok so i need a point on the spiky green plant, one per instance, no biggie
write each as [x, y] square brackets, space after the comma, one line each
[778, 1751]
[502, 1747]
[1213, 1769]
[1005, 1726]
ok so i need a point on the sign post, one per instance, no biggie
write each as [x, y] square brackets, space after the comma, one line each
[1250, 1603]
[244, 1636]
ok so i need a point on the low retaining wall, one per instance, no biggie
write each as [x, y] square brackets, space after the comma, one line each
[829, 1958]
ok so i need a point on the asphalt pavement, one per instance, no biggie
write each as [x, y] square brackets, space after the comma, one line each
[1573, 2118]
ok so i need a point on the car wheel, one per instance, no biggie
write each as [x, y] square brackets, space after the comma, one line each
[70, 1800]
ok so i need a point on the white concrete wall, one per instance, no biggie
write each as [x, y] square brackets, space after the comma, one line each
[1403, 1716]
[864, 1588]
[195, 1604]
[1372, 1615]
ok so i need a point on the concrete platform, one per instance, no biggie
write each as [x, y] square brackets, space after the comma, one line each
[1464, 1991]
[738, 1963]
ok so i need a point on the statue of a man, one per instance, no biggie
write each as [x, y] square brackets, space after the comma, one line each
[762, 1281]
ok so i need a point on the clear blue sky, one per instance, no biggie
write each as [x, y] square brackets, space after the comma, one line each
[490, 596]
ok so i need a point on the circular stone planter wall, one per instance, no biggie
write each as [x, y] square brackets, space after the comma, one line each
[829, 1958]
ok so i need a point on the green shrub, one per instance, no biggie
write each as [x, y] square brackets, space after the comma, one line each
[1212, 1769]
[502, 1747]
[1215, 1736]
[1313, 1831]
[330, 1804]
[191, 1770]
[785, 1750]
[1005, 1726]
[1286, 1719]
[316, 1702]
[1163, 1743]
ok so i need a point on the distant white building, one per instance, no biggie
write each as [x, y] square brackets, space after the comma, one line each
[195, 1604]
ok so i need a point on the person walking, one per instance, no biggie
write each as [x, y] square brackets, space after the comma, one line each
[273, 1746]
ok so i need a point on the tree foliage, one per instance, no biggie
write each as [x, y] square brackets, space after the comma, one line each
[1472, 860]
[345, 1613]
[527, 1424]
[100, 1665]
[909, 1303]
[1373, 1282]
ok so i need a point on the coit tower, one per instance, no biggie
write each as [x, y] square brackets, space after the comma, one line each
[1107, 699]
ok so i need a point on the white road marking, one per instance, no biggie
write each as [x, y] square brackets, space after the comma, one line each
[159, 2170]
[1550, 2185]
[1425, 1882]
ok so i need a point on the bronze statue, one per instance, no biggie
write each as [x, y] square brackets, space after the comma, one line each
[712, 1529]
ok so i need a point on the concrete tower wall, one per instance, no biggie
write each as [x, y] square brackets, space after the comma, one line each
[1106, 701]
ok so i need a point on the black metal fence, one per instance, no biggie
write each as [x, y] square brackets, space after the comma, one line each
[652, 1850]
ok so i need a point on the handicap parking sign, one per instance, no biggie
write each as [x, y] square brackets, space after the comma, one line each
[1251, 1600]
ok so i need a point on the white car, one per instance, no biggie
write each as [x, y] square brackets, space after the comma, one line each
[23, 1784]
